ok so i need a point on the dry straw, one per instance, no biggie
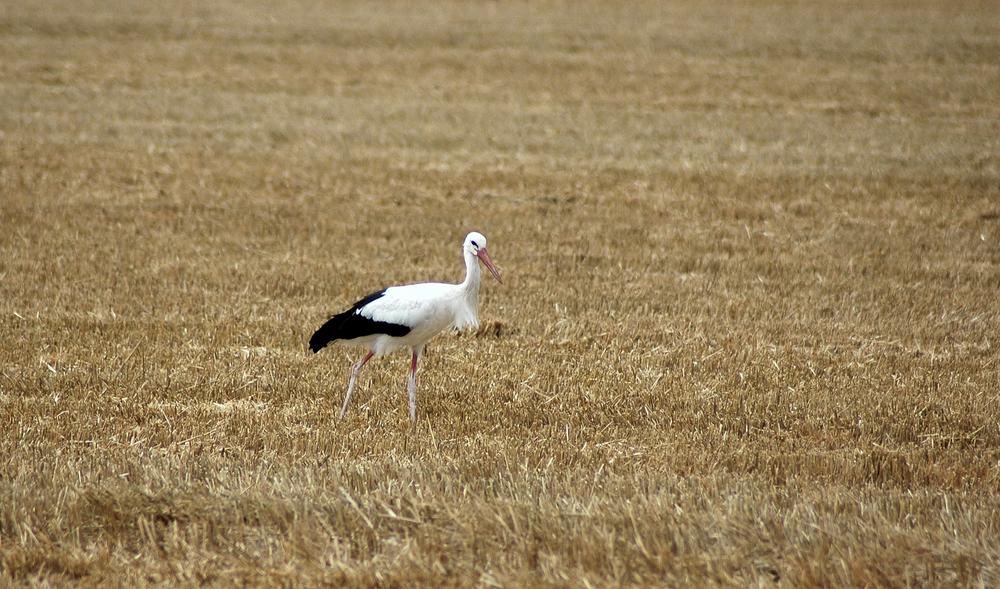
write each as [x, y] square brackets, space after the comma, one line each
[747, 335]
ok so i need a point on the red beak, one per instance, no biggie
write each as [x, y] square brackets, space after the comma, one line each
[484, 257]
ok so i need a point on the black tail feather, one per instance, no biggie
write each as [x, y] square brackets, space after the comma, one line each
[326, 333]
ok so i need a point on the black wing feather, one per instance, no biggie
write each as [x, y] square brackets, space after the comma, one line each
[350, 325]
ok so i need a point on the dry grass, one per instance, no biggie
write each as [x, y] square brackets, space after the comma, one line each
[748, 335]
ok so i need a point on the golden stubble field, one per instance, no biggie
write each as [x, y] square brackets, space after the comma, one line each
[748, 335]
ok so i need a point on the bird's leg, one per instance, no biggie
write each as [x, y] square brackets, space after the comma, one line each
[411, 385]
[355, 370]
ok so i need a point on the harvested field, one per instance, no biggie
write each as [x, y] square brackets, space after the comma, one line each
[747, 336]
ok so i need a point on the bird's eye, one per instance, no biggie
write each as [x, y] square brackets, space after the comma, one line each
[475, 244]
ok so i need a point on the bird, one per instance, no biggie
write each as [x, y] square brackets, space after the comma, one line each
[409, 316]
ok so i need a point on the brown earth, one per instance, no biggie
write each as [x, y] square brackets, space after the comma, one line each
[748, 334]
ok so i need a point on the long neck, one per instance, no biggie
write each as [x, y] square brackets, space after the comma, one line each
[466, 306]
[472, 276]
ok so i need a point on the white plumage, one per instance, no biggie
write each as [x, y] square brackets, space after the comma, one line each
[409, 316]
[427, 309]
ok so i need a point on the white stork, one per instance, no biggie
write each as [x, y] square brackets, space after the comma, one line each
[409, 316]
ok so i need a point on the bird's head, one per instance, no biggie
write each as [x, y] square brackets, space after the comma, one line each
[475, 244]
